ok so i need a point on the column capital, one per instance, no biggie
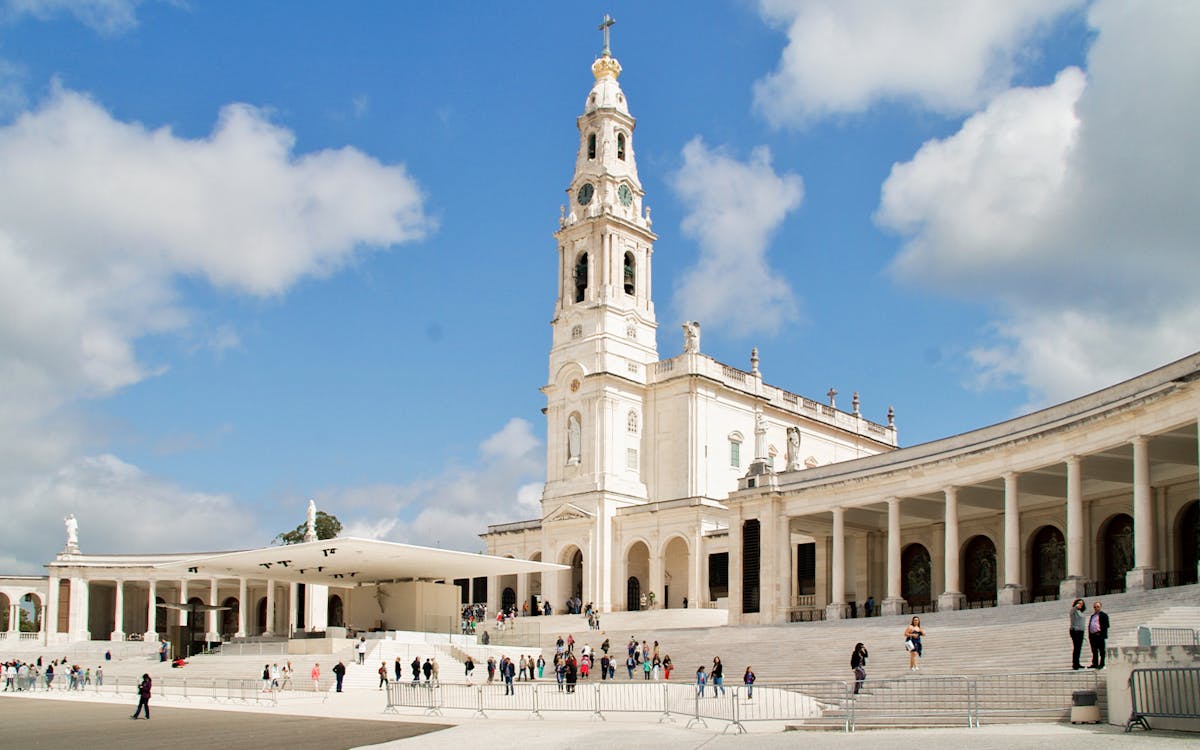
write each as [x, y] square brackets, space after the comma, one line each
[1138, 440]
[950, 490]
[1073, 460]
[1010, 475]
[892, 501]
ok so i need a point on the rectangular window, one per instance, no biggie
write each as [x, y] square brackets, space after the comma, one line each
[735, 454]
[631, 459]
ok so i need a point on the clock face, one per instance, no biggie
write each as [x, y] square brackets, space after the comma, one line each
[626, 195]
[585, 193]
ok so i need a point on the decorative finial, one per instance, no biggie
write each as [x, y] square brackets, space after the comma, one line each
[856, 403]
[605, 25]
[891, 416]
[754, 360]
[832, 398]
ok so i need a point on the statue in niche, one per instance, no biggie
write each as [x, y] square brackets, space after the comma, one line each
[72, 532]
[691, 337]
[760, 436]
[573, 436]
[793, 449]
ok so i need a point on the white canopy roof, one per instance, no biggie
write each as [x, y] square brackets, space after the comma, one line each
[348, 561]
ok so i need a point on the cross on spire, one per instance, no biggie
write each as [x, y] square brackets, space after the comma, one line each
[604, 26]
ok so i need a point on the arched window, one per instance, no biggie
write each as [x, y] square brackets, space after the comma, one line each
[581, 277]
[592, 146]
[621, 146]
[631, 422]
[630, 268]
[735, 450]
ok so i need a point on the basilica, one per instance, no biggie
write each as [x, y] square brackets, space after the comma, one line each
[681, 481]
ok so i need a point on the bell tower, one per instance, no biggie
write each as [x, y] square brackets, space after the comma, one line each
[603, 343]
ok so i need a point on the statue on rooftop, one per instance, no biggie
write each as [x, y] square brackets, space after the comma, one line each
[793, 449]
[72, 533]
[691, 336]
[310, 526]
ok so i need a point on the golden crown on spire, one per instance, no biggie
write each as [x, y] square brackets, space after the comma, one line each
[606, 67]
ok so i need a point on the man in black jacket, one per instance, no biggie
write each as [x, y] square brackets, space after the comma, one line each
[339, 671]
[1097, 634]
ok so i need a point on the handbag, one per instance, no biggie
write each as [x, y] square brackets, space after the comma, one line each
[908, 644]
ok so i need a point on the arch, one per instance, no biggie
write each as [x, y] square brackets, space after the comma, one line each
[630, 273]
[260, 619]
[570, 580]
[916, 575]
[1047, 562]
[676, 557]
[979, 569]
[5, 610]
[591, 145]
[508, 599]
[637, 568]
[1116, 551]
[1187, 541]
[581, 276]
[31, 603]
[621, 146]
[229, 617]
[335, 612]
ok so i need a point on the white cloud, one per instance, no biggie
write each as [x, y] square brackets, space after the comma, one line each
[1072, 209]
[733, 208]
[843, 56]
[105, 16]
[452, 508]
[119, 509]
[99, 219]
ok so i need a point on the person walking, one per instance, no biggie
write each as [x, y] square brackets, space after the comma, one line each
[541, 666]
[469, 664]
[382, 674]
[398, 669]
[701, 681]
[416, 669]
[509, 670]
[748, 679]
[718, 676]
[315, 674]
[143, 697]
[361, 648]
[1079, 624]
[912, 642]
[339, 673]
[858, 662]
[1097, 634]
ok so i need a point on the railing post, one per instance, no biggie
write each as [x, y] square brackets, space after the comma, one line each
[735, 713]
[853, 703]
[479, 702]
[666, 705]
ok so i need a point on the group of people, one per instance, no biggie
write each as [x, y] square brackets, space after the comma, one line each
[1095, 626]
[275, 677]
[20, 676]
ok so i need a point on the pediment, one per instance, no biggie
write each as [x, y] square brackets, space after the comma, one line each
[567, 512]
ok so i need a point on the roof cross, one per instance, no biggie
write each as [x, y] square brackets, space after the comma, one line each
[604, 26]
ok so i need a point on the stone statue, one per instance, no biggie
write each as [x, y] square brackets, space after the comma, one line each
[310, 531]
[72, 533]
[573, 433]
[760, 437]
[691, 336]
[793, 449]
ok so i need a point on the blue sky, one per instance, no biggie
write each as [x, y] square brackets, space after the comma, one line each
[256, 253]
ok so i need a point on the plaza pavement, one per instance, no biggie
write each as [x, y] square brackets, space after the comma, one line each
[63, 720]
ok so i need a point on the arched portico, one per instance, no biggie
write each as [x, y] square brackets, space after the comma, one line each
[637, 575]
[676, 571]
[1047, 562]
[1116, 554]
[979, 570]
[916, 568]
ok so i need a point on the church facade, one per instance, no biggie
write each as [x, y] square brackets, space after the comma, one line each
[684, 481]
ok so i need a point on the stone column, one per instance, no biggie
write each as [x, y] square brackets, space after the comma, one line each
[785, 569]
[794, 553]
[213, 635]
[241, 626]
[118, 631]
[183, 599]
[50, 621]
[1141, 578]
[657, 578]
[696, 591]
[836, 609]
[952, 598]
[293, 600]
[14, 617]
[151, 633]
[735, 565]
[269, 625]
[1013, 592]
[522, 591]
[893, 604]
[1074, 584]
[79, 610]
[768, 550]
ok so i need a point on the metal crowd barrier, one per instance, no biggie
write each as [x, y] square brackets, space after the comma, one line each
[1167, 636]
[937, 701]
[1163, 693]
[186, 688]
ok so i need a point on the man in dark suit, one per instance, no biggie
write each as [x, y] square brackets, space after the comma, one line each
[1097, 634]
